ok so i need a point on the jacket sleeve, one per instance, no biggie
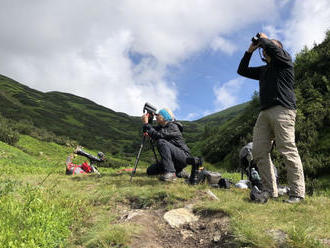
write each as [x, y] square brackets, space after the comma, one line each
[246, 71]
[163, 133]
[277, 54]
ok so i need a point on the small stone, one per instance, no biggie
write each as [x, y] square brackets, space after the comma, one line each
[186, 234]
[133, 214]
[325, 242]
[212, 195]
[180, 216]
[217, 238]
[278, 235]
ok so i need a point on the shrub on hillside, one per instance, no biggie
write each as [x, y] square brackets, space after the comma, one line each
[27, 127]
[24, 127]
[7, 134]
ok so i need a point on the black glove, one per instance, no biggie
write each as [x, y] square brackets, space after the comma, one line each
[145, 128]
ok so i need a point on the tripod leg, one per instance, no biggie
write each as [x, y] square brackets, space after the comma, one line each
[193, 179]
[137, 158]
[242, 170]
[153, 149]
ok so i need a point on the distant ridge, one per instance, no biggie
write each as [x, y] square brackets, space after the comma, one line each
[90, 124]
[68, 115]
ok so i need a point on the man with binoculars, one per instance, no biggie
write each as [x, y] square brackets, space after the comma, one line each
[276, 121]
[175, 154]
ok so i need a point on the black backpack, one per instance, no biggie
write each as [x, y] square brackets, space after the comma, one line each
[224, 183]
[259, 196]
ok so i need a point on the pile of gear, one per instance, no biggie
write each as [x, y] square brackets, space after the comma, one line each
[248, 168]
[214, 179]
[254, 182]
[84, 168]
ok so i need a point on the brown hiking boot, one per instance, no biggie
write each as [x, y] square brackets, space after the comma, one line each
[168, 177]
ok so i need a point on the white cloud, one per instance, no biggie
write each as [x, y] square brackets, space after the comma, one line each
[223, 45]
[309, 21]
[227, 94]
[272, 32]
[84, 47]
[192, 116]
[198, 115]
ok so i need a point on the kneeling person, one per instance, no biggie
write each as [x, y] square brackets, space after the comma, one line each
[167, 135]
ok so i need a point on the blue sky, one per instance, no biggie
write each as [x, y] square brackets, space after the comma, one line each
[180, 54]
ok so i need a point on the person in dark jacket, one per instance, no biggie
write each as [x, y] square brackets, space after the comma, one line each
[175, 154]
[276, 121]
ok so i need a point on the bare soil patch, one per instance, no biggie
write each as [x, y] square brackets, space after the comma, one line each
[211, 230]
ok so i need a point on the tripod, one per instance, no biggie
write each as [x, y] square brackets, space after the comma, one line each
[139, 153]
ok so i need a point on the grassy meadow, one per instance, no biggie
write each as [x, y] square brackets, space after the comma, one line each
[42, 207]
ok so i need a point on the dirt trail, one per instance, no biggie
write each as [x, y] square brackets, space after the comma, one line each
[211, 230]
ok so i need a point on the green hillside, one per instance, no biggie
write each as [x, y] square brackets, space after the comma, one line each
[88, 123]
[68, 115]
[219, 118]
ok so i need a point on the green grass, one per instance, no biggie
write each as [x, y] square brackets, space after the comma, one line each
[35, 216]
[252, 223]
[42, 207]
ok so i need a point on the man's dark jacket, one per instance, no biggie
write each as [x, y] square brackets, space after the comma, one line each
[276, 79]
[172, 132]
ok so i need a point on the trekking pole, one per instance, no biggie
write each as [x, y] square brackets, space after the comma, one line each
[138, 157]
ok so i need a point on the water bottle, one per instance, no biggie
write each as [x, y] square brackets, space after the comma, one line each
[255, 175]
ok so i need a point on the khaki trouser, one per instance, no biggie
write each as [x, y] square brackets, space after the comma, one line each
[278, 123]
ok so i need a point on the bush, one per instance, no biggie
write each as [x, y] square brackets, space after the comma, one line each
[27, 127]
[7, 134]
[24, 127]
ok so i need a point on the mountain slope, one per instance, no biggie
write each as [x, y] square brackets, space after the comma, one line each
[88, 123]
[67, 115]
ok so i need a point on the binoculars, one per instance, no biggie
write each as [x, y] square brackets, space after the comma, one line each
[151, 110]
[255, 39]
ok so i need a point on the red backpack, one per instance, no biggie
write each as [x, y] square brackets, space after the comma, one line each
[84, 168]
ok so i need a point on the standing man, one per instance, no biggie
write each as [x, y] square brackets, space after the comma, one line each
[276, 121]
[175, 154]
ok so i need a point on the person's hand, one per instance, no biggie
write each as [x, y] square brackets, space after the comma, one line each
[252, 48]
[262, 35]
[145, 118]
[78, 149]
